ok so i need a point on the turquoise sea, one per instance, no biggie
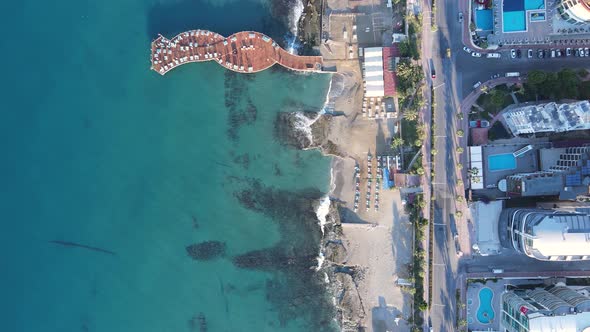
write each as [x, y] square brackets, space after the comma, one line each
[101, 151]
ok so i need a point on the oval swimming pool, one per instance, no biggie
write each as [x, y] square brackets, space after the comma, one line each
[485, 312]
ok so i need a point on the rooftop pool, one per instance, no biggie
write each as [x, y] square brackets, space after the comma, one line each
[485, 312]
[501, 162]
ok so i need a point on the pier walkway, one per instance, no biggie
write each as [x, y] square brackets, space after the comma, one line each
[244, 52]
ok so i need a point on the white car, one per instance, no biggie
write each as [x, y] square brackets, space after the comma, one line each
[493, 55]
[513, 53]
[477, 85]
[467, 49]
[476, 54]
[460, 17]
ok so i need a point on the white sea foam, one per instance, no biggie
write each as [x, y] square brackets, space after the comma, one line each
[303, 124]
[296, 12]
[327, 102]
[322, 211]
[321, 260]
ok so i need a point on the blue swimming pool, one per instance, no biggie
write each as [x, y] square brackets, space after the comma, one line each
[514, 21]
[501, 162]
[485, 312]
[534, 4]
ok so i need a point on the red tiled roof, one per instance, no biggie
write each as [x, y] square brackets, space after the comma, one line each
[389, 78]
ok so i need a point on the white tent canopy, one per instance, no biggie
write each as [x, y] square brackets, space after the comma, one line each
[373, 72]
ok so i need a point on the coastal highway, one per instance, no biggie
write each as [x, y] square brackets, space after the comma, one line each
[454, 81]
[447, 98]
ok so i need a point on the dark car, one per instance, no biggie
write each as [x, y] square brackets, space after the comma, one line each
[577, 52]
[518, 54]
[541, 54]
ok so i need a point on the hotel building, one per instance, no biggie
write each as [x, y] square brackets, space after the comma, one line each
[554, 308]
[550, 235]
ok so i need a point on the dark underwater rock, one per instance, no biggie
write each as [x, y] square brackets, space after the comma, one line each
[206, 250]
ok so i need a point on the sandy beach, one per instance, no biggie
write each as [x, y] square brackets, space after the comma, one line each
[376, 243]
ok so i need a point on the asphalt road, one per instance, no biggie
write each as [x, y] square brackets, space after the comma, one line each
[454, 81]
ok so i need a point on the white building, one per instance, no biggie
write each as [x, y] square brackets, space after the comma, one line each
[556, 308]
[550, 117]
[574, 11]
[373, 72]
[550, 235]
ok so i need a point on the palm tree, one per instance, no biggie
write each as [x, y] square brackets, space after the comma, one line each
[397, 143]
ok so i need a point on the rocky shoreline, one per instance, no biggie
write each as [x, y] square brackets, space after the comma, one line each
[343, 278]
[309, 25]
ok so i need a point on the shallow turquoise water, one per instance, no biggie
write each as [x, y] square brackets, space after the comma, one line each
[485, 312]
[100, 150]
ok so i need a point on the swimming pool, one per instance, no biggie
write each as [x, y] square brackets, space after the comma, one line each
[534, 4]
[501, 162]
[514, 21]
[514, 13]
[485, 312]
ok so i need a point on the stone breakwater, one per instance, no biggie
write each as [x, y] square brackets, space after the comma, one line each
[244, 52]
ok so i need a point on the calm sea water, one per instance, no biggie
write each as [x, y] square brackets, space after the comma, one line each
[99, 150]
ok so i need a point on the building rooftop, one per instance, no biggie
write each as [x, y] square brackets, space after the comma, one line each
[550, 117]
[560, 234]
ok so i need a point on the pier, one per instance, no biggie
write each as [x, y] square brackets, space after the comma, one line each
[243, 52]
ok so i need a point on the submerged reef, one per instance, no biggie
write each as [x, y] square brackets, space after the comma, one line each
[296, 290]
[206, 250]
[239, 114]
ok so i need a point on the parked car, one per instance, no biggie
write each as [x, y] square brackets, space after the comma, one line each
[586, 51]
[479, 124]
[576, 52]
[518, 54]
[493, 55]
[513, 53]
[476, 54]
[541, 54]
[530, 53]
[476, 85]
[553, 53]
[494, 76]
[467, 49]
[433, 73]
[460, 17]
[448, 52]
[558, 53]
[568, 51]
[581, 50]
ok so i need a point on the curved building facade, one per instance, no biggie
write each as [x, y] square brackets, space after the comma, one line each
[574, 11]
[550, 235]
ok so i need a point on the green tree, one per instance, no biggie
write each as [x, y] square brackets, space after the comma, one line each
[423, 306]
[568, 83]
[460, 133]
[497, 97]
[411, 115]
[459, 149]
[397, 143]
[536, 77]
